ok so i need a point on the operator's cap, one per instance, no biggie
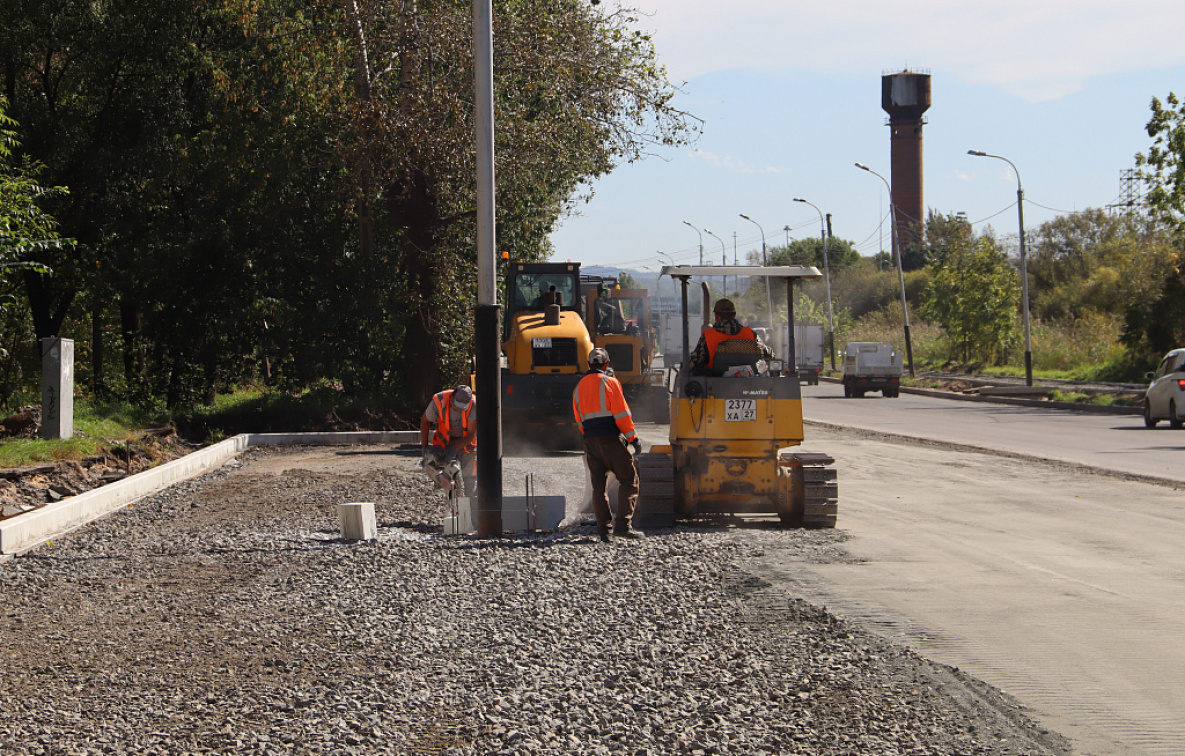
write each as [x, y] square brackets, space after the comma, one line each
[462, 396]
[725, 307]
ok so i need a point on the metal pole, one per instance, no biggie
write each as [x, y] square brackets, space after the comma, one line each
[486, 322]
[1024, 266]
[701, 242]
[1024, 281]
[900, 273]
[826, 278]
[769, 306]
[723, 257]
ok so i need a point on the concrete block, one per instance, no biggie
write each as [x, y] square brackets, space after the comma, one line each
[357, 521]
[57, 388]
[522, 513]
[463, 519]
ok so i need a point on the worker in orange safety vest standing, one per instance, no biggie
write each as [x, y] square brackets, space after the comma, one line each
[455, 434]
[604, 418]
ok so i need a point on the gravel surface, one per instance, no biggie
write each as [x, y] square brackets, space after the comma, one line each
[224, 615]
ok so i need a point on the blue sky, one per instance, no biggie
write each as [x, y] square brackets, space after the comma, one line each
[790, 99]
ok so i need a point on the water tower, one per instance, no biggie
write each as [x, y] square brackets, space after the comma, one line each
[905, 96]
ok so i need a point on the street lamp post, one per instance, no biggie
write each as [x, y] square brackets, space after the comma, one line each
[723, 256]
[900, 274]
[488, 314]
[826, 277]
[701, 241]
[1024, 268]
[769, 305]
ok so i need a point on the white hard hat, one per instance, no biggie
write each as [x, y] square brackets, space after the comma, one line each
[598, 357]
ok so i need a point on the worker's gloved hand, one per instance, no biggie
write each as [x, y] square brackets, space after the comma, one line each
[637, 446]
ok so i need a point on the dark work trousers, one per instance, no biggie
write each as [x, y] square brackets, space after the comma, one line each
[604, 455]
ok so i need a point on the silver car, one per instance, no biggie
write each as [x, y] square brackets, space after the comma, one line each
[1165, 397]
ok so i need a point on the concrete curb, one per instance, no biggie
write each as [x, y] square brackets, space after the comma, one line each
[1099, 409]
[31, 529]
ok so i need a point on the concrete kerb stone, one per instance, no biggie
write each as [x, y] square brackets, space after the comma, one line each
[31, 529]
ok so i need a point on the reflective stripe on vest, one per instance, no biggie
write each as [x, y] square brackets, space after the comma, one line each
[598, 396]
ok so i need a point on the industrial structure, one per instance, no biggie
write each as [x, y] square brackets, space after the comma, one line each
[905, 96]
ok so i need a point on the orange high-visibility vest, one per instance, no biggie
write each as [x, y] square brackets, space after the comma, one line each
[443, 402]
[598, 404]
[713, 338]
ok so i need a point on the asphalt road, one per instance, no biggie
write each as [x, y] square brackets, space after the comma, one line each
[1111, 442]
[1061, 586]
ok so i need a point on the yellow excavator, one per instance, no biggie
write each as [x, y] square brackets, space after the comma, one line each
[733, 429]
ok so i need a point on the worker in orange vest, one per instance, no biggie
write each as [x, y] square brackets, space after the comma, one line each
[726, 327]
[604, 419]
[454, 435]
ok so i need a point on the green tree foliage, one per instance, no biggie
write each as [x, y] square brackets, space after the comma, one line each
[842, 253]
[282, 190]
[25, 227]
[1157, 323]
[973, 296]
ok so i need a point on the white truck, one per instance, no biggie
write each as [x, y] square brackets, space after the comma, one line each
[809, 348]
[871, 366]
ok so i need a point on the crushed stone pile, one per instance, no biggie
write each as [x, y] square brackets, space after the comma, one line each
[224, 616]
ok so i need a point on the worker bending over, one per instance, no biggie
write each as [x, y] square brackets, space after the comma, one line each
[454, 435]
[607, 425]
[726, 327]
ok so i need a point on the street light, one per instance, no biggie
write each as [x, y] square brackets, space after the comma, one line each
[826, 276]
[900, 274]
[769, 305]
[723, 256]
[1024, 268]
[701, 242]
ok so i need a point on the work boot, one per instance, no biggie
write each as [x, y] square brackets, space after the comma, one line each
[604, 538]
[629, 533]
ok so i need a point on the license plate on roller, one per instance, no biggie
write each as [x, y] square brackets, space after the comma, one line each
[740, 410]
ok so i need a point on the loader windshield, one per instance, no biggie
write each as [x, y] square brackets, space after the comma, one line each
[532, 291]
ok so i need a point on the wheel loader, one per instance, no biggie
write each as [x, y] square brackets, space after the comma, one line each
[733, 430]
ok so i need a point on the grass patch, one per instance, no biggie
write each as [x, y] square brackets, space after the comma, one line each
[98, 426]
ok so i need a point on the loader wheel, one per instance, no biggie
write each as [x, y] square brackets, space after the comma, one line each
[656, 491]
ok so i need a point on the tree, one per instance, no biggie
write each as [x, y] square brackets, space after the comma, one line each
[973, 296]
[25, 227]
[1157, 323]
[577, 91]
[809, 251]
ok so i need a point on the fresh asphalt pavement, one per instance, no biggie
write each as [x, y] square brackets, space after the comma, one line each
[1062, 585]
[1119, 443]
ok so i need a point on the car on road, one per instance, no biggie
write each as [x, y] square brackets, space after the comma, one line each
[1165, 397]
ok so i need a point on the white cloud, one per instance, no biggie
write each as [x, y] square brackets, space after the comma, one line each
[1035, 49]
[733, 165]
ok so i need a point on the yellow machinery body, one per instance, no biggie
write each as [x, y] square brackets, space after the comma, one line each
[630, 337]
[732, 436]
[545, 346]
